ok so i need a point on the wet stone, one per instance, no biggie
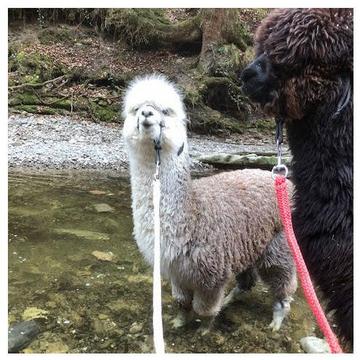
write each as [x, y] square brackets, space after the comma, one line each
[103, 208]
[57, 347]
[34, 313]
[21, 334]
[51, 304]
[104, 256]
[97, 192]
[90, 235]
[135, 328]
[121, 305]
[312, 344]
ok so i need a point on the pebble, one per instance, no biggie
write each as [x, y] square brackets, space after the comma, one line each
[135, 328]
[65, 143]
[34, 313]
[312, 344]
[101, 208]
[97, 192]
[104, 256]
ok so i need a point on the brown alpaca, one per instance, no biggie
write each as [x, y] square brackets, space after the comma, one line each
[303, 75]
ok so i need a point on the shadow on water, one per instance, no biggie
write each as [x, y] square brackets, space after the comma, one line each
[74, 267]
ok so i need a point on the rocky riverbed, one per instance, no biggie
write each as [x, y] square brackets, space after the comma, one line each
[87, 221]
[78, 283]
[57, 142]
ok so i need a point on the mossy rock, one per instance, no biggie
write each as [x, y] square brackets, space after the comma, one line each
[224, 95]
[104, 112]
[242, 161]
[34, 67]
[204, 120]
[139, 27]
[33, 109]
[25, 98]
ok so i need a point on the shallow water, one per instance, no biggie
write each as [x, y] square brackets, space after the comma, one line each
[74, 266]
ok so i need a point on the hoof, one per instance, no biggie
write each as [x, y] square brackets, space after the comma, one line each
[203, 330]
[234, 295]
[207, 323]
[178, 322]
[183, 318]
[275, 325]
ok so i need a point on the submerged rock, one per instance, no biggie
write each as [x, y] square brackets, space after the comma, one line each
[21, 334]
[87, 234]
[57, 347]
[312, 344]
[97, 192]
[122, 305]
[103, 208]
[135, 328]
[34, 313]
[104, 256]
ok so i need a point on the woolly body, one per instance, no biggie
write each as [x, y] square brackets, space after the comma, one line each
[211, 228]
[308, 58]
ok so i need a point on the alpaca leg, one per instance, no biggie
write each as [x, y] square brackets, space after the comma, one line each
[277, 269]
[207, 304]
[280, 311]
[244, 282]
[183, 298]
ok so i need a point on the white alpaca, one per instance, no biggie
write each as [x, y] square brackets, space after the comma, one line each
[212, 228]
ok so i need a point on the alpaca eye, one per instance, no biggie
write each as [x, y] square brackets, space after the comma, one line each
[166, 112]
[136, 109]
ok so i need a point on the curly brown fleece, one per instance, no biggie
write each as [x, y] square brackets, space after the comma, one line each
[303, 74]
[308, 49]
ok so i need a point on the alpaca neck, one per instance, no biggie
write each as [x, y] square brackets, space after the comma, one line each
[175, 190]
[322, 152]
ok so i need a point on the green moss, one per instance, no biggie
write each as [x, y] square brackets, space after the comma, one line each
[139, 27]
[205, 120]
[27, 108]
[23, 98]
[31, 78]
[34, 67]
[235, 30]
[106, 113]
[264, 125]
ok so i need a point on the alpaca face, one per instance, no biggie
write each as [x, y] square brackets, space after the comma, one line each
[302, 59]
[152, 105]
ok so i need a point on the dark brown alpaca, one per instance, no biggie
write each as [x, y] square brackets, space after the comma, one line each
[303, 74]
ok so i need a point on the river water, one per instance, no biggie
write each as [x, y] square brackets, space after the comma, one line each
[75, 268]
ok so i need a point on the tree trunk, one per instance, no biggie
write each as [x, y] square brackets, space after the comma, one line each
[212, 22]
[219, 27]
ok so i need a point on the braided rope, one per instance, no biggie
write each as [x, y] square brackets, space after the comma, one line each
[309, 292]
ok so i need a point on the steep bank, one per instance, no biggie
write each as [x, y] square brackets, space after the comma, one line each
[80, 64]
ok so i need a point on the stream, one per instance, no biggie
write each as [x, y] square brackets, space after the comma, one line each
[75, 268]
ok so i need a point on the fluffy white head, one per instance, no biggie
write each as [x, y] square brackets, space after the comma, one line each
[152, 103]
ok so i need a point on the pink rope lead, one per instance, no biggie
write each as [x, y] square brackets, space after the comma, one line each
[310, 295]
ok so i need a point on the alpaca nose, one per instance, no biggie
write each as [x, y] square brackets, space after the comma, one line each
[147, 113]
[248, 73]
[146, 123]
[256, 70]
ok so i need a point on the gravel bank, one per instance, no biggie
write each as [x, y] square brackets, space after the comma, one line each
[56, 142]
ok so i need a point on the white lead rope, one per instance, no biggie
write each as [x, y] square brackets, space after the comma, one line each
[157, 302]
